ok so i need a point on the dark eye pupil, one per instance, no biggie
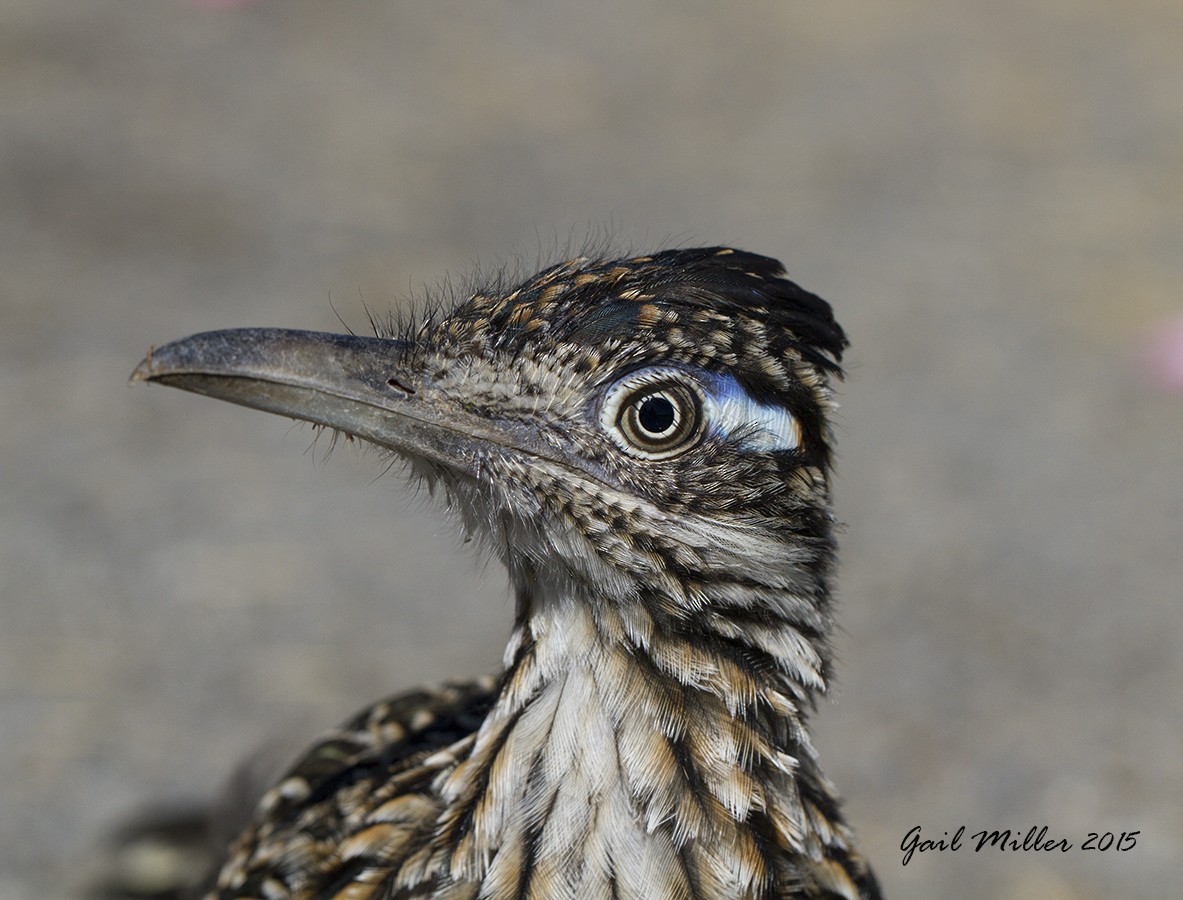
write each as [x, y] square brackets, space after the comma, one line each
[656, 414]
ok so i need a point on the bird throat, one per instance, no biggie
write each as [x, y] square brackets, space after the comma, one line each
[617, 758]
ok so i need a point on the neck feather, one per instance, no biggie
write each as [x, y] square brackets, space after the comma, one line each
[658, 744]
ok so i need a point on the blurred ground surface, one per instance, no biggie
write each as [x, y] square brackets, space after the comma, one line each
[990, 194]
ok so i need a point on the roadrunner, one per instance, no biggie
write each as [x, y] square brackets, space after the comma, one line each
[644, 443]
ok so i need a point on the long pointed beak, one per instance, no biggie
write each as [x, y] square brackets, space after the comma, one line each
[358, 385]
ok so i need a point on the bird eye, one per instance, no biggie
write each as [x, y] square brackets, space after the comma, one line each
[654, 414]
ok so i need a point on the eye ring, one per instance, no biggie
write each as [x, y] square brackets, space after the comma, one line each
[654, 413]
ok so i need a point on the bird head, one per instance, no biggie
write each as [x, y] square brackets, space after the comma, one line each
[649, 434]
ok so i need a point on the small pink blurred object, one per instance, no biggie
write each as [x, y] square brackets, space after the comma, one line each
[1164, 354]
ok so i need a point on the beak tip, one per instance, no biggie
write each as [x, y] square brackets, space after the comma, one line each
[144, 371]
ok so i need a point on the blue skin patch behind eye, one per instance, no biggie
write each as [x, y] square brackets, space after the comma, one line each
[732, 413]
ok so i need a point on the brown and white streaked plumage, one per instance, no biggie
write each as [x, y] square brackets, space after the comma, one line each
[644, 443]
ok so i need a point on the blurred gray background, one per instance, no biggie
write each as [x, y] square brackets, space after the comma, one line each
[991, 194]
